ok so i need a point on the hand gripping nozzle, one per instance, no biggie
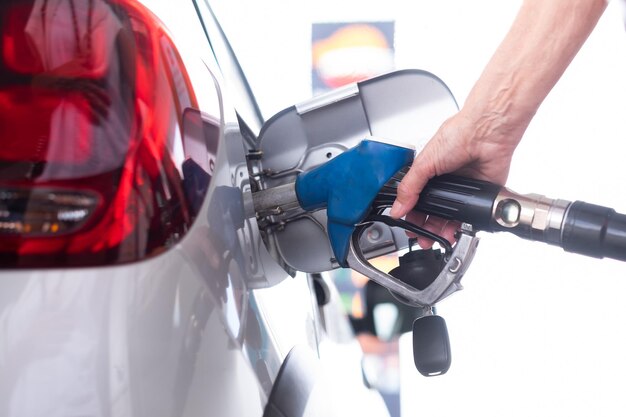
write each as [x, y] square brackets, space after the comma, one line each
[349, 188]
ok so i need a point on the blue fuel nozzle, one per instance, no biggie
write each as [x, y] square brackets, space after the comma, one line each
[347, 186]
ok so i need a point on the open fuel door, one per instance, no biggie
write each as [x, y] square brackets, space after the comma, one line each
[405, 106]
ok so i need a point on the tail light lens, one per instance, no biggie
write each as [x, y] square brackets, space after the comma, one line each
[43, 212]
[92, 97]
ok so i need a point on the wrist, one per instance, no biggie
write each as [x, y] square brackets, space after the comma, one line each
[499, 121]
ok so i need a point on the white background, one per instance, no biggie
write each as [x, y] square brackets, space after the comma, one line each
[537, 331]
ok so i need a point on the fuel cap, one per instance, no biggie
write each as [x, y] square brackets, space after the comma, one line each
[431, 345]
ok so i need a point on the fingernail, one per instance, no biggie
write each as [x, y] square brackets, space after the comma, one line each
[396, 209]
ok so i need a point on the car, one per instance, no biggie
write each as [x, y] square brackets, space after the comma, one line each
[137, 275]
[134, 279]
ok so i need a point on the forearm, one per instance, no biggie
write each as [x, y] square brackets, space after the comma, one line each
[543, 40]
[479, 141]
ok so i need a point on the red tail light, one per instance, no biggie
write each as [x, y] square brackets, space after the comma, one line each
[44, 212]
[92, 95]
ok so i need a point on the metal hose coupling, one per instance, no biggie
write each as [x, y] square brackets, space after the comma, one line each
[530, 216]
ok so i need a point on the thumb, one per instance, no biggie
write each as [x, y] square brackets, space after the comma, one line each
[412, 184]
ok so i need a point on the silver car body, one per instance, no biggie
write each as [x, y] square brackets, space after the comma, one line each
[200, 330]
[213, 325]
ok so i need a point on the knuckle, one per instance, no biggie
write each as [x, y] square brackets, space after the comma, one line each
[405, 191]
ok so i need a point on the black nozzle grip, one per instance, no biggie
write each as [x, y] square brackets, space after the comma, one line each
[458, 198]
[594, 231]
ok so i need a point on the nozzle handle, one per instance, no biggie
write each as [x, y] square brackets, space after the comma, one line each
[458, 198]
[577, 227]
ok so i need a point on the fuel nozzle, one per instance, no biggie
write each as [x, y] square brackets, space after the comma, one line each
[353, 189]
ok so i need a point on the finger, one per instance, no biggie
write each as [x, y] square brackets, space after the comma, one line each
[417, 219]
[435, 225]
[449, 231]
[412, 184]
